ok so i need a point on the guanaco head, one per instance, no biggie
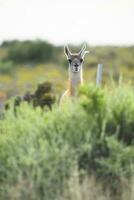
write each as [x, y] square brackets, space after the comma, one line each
[75, 59]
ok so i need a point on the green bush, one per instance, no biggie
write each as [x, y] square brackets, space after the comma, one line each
[40, 150]
[6, 67]
[29, 51]
[121, 112]
[112, 133]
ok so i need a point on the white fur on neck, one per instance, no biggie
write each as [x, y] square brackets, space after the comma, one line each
[76, 76]
[75, 79]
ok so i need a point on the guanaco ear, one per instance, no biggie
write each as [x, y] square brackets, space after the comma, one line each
[82, 52]
[67, 51]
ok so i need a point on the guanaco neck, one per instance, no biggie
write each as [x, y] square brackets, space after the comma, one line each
[75, 79]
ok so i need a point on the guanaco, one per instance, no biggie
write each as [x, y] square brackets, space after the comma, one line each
[75, 70]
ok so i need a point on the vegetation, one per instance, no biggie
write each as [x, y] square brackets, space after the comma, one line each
[28, 51]
[83, 149]
[25, 64]
[41, 151]
[43, 96]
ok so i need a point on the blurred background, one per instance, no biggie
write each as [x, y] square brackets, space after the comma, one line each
[33, 34]
[83, 150]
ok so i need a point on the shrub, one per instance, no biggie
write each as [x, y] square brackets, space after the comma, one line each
[6, 67]
[30, 51]
[40, 150]
[121, 112]
[112, 131]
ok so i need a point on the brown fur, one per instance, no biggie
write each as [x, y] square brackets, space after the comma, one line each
[70, 92]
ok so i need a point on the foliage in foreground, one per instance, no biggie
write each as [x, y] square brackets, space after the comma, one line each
[39, 151]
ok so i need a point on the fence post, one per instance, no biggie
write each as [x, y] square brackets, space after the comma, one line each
[99, 74]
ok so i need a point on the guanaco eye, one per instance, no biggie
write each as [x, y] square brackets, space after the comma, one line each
[69, 60]
[81, 60]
